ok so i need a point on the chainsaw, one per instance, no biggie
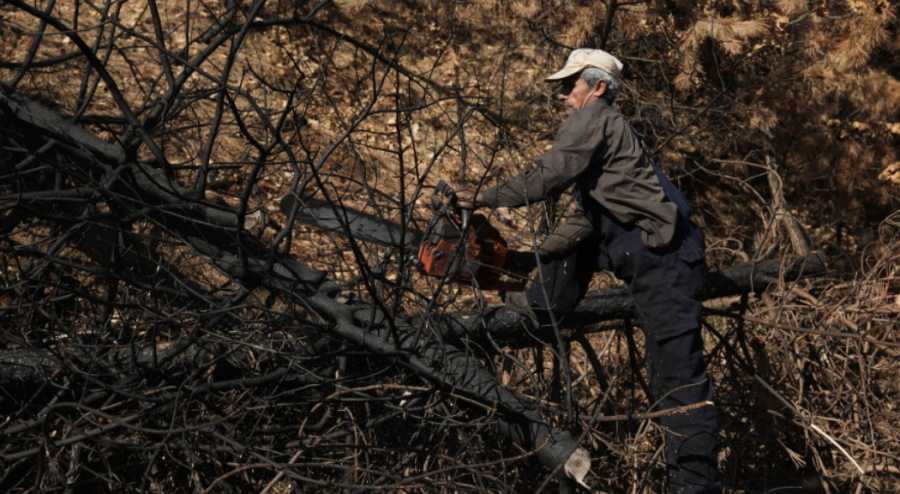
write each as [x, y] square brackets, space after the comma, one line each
[464, 247]
[456, 246]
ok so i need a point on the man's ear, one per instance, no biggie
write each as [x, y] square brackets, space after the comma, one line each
[600, 88]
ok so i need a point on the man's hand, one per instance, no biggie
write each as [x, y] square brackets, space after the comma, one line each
[467, 199]
[521, 262]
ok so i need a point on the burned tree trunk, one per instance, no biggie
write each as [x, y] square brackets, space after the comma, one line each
[616, 303]
[137, 190]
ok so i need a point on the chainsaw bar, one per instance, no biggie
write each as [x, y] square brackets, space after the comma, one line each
[345, 221]
[479, 262]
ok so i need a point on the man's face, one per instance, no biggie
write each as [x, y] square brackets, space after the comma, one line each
[575, 93]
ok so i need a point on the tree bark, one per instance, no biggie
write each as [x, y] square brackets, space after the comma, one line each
[616, 303]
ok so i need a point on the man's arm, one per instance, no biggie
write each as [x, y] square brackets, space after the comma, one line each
[563, 240]
[576, 143]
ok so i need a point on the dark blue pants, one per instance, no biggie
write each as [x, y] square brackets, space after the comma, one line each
[665, 288]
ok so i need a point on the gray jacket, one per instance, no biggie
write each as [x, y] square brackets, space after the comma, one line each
[599, 150]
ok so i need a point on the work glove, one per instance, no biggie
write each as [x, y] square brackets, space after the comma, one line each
[521, 262]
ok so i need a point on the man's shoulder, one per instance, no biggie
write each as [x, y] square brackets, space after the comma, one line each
[599, 116]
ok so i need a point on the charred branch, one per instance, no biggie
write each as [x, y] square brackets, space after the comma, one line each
[616, 303]
[138, 191]
[165, 327]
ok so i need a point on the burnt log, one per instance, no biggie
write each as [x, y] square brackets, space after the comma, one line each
[139, 191]
[616, 303]
[445, 362]
[449, 363]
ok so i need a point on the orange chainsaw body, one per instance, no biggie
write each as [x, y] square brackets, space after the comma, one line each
[476, 255]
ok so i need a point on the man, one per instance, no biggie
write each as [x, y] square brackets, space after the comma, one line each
[633, 221]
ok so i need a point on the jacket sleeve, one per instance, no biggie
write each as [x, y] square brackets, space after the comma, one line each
[566, 237]
[572, 152]
[577, 140]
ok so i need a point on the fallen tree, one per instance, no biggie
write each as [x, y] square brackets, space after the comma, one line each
[616, 303]
[136, 190]
[430, 348]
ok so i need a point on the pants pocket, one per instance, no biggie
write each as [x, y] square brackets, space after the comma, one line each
[624, 255]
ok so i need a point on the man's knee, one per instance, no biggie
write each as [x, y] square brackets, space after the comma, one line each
[558, 286]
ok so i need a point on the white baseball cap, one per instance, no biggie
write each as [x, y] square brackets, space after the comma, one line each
[583, 58]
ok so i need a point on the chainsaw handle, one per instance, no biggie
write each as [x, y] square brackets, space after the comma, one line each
[444, 189]
[465, 215]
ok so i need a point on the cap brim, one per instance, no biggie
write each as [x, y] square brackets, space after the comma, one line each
[565, 72]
